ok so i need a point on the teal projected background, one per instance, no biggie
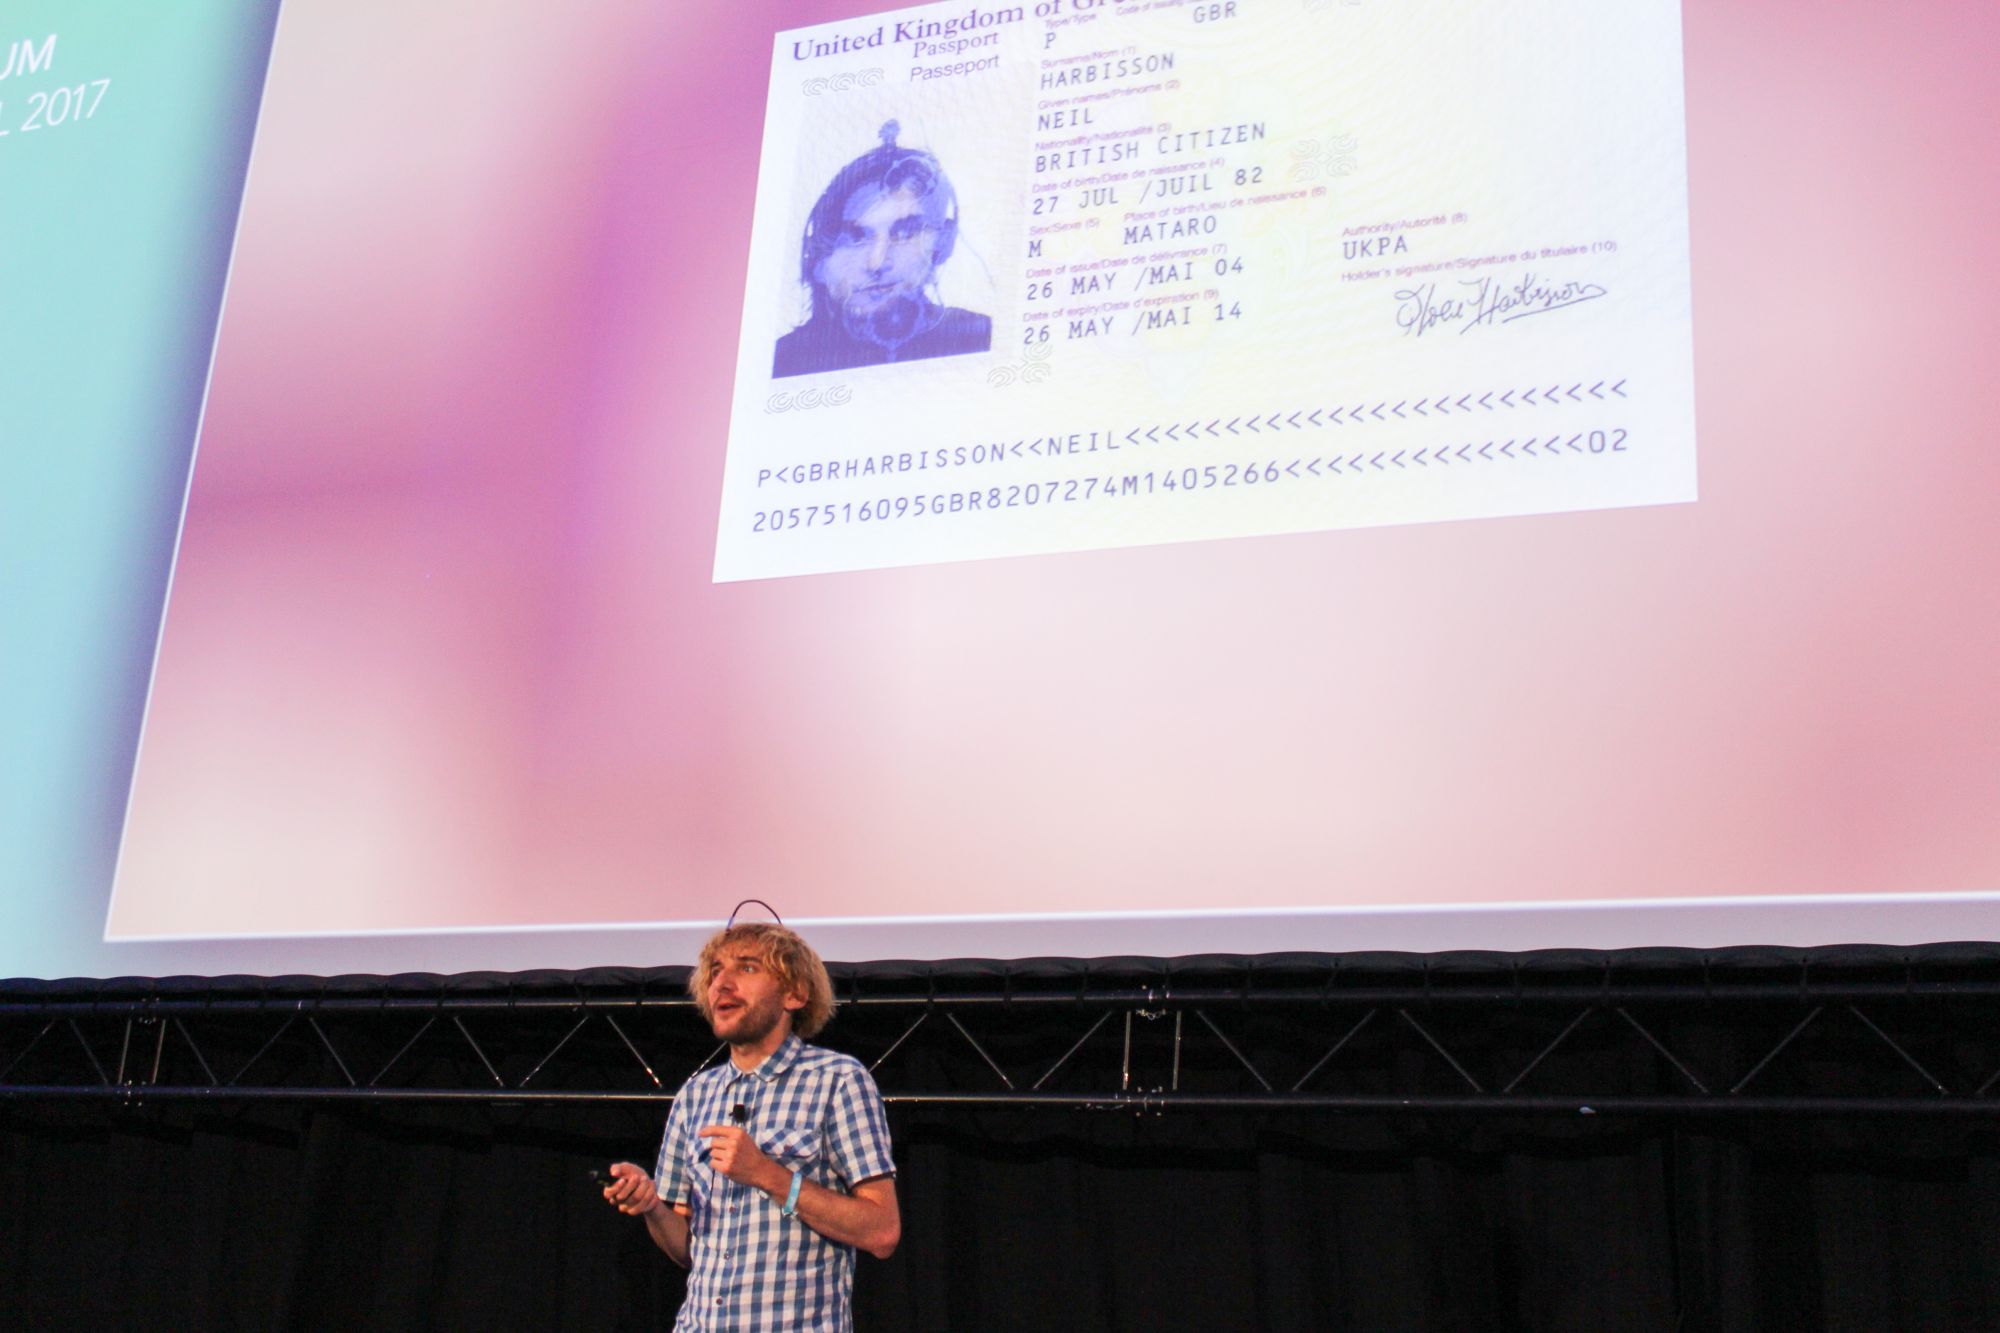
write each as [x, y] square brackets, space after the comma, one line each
[117, 210]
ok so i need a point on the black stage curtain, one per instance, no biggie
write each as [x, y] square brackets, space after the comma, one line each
[463, 1217]
[475, 1215]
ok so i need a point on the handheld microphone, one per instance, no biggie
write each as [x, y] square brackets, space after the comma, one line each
[739, 1114]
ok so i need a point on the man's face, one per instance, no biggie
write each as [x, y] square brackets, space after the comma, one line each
[882, 254]
[745, 1001]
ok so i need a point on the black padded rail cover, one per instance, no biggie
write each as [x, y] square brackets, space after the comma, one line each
[1328, 973]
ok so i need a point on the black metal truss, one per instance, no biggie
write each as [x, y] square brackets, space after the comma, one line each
[1309, 1037]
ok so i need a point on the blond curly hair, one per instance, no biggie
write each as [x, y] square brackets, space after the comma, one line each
[791, 960]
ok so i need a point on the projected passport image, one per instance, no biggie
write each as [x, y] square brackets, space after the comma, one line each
[1282, 269]
[1055, 544]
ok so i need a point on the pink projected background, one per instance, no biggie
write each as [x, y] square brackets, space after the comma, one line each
[442, 649]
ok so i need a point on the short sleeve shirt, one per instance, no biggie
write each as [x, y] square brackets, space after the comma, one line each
[752, 1269]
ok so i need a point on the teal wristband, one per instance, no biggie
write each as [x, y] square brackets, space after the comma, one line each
[791, 1205]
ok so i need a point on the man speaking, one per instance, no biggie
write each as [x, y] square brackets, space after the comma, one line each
[775, 1166]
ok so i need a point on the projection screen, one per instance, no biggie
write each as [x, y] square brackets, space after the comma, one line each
[1063, 478]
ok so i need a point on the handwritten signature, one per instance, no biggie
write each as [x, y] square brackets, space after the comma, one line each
[1484, 302]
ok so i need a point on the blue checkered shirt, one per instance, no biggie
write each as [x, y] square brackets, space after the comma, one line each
[752, 1269]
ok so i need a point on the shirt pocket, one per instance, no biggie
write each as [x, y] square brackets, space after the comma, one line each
[794, 1149]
